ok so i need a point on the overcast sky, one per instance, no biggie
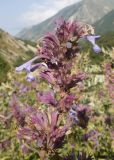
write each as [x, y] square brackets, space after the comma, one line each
[17, 14]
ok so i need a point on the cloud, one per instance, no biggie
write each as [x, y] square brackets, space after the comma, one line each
[39, 12]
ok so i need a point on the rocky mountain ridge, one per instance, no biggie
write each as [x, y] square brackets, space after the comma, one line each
[89, 11]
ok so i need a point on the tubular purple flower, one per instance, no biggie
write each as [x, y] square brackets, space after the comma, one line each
[30, 67]
[92, 39]
[27, 65]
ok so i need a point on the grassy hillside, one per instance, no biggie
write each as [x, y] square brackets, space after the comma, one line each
[105, 24]
[4, 68]
[13, 52]
[11, 49]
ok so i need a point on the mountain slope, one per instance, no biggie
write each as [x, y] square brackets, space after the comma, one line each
[106, 23]
[12, 49]
[88, 11]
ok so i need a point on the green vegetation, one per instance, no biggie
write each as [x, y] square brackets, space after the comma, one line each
[20, 60]
[30, 43]
[0, 35]
[105, 24]
[107, 40]
[101, 105]
[4, 69]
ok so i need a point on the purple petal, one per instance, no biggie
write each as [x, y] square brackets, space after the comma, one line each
[25, 149]
[38, 119]
[47, 75]
[91, 39]
[69, 99]
[52, 37]
[30, 78]
[97, 37]
[18, 112]
[24, 133]
[96, 48]
[54, 118]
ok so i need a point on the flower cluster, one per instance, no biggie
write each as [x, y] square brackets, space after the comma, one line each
[54, 63]
[80, 114]
[58, 51]
[38, 127]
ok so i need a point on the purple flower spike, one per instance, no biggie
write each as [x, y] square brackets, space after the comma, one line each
[92, 39]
